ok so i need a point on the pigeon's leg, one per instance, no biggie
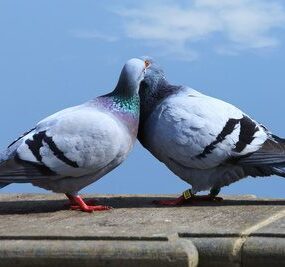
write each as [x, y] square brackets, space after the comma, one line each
[214, 192]
[188, 196]
[210, 197]
[77, 203]
[73, 203]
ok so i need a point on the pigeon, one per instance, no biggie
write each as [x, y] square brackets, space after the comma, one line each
[205, 141]
[75, 147]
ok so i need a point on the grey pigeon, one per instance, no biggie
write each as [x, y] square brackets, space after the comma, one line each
[75, 147]
[205, 141]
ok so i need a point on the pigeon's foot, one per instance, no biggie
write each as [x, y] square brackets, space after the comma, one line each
[187, 197]
[87, 208]
[72, 203]
[206, 198]
[170, 202]
[77, 203]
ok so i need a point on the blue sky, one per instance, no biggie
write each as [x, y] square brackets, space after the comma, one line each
[56, 54]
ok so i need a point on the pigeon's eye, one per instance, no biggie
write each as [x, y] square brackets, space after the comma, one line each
[146, 63]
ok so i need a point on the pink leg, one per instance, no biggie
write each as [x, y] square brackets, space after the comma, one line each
[187, 197]
[73, 203]
[207, 198]
[77, 203]
[170, 202]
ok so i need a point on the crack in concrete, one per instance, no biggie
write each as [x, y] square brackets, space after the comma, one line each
[87, 238]
[239, 243]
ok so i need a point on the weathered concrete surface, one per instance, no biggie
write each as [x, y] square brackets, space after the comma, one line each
[240, 231]
[264, 251]
[97, 253]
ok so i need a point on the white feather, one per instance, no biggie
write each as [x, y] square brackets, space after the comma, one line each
[183, 125]
[85, 135]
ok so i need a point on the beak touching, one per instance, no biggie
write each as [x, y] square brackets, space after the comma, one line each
[146, 63]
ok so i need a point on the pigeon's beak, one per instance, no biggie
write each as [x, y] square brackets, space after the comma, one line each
[146, 63]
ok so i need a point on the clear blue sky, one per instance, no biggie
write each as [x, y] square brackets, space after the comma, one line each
[56, 54]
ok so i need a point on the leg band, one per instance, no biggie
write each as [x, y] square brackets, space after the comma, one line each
[187, 194]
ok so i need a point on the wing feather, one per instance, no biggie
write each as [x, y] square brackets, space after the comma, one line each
[272, 153]
[201, 132]
[72, 144]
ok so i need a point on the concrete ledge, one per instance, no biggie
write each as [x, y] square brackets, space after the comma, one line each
[97, 253]
[264, 252]
[216, 251]
[37, 230]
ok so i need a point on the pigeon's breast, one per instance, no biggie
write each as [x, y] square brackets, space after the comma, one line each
[89, 138]
[125, 113]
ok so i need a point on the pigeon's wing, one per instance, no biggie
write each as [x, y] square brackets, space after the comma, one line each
[14, 169]
[197, 131]
[268, 160]
[74, 142]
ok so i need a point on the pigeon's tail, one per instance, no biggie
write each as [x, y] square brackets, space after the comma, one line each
[2, 184]
[268, 160]
[279, 171]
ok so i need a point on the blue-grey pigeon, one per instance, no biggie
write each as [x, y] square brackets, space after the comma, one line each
[205, 141]
[75, 147]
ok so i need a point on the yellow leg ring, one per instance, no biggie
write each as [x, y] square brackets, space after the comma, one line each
[187, 194]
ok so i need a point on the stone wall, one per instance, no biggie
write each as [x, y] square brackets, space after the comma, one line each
[40, 230]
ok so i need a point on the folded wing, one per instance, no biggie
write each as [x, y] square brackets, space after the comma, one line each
[66, 144]
[201, 132]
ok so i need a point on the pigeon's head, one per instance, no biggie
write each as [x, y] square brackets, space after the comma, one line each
[131, 76]
[153, 77]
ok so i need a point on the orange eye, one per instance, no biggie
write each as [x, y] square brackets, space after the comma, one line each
[146, 63]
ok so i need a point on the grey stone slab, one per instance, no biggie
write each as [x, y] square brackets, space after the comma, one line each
[276, 228]
[132, 216]
[263, 252]
[216, 251]
[74, 253]
[36, 229]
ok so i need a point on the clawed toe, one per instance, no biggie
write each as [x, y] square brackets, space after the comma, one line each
[77, 203]
[90, 208]
[169, 202]
[218, 199]
[188, 197]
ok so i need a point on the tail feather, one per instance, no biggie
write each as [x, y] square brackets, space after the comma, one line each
[3, 157]
[272, 153]
[278, 171]
[3, 185]
[268, 160]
